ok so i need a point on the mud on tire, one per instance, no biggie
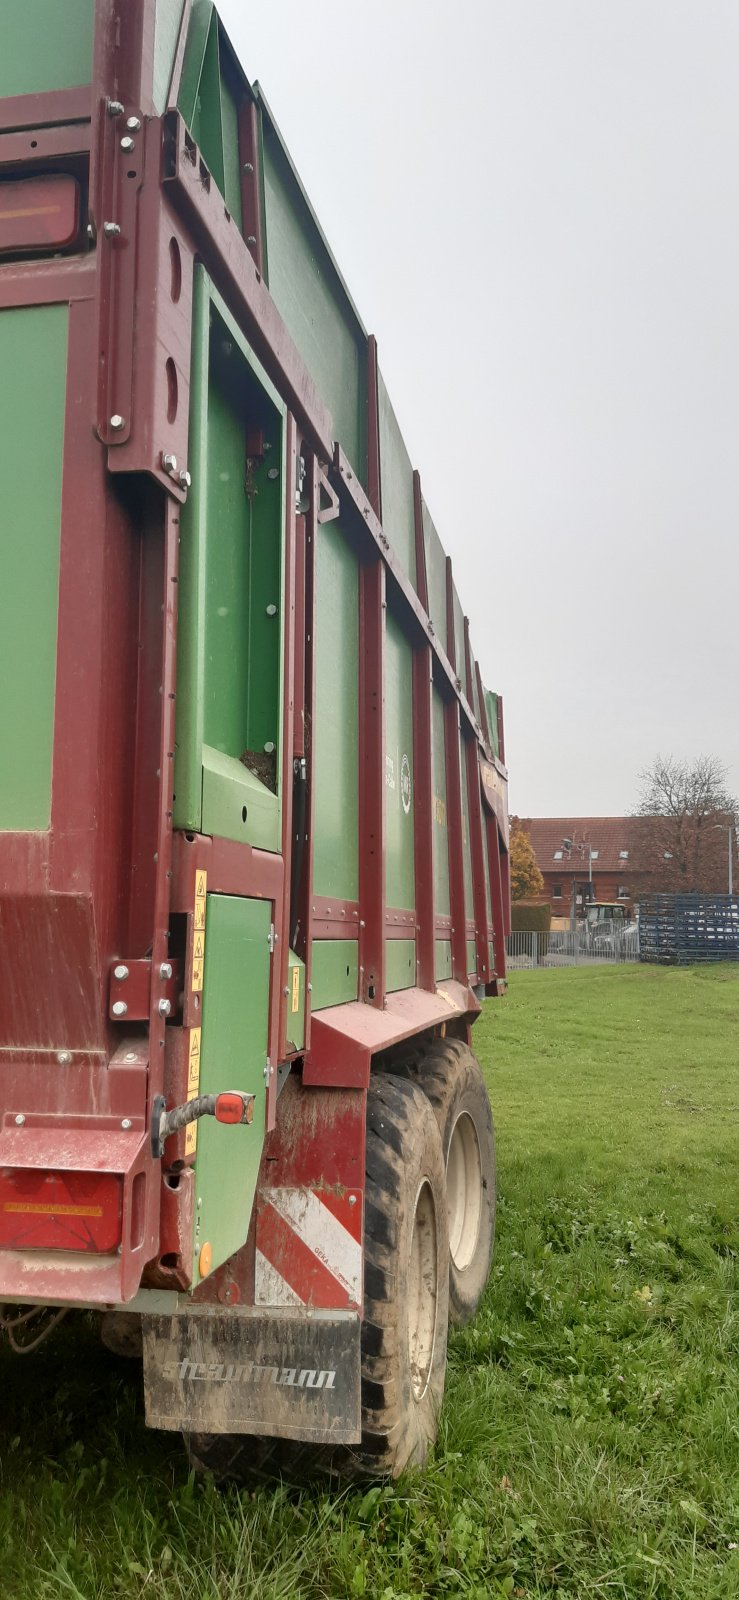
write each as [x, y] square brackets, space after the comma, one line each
[406, 1302]
[450, 1077]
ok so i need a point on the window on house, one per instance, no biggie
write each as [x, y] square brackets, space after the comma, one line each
[556, 891]
[594, 854]
[668, 855]
[623, 893]
[623, 855]
[558, 855]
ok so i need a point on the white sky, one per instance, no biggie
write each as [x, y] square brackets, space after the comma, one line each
[535, 204]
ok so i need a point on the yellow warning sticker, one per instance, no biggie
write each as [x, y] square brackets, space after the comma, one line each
[193, 1084]
[296, 990]
[198, 942]
[201, 889]
[198, 957]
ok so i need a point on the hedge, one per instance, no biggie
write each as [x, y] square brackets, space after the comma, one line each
[530, 918]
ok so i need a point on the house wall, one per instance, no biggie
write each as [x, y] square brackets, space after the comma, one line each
[606, 885]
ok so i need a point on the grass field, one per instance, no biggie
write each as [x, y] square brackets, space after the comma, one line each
[590, 1441]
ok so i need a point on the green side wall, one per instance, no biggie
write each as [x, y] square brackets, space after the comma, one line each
[335, 730]
[469, 903]
[45, 45]
[335, 972]
[230, 658]
[400, 964]
[442, 960]
[442, 903]
[233, 1056]
[33, 360]
[400, 876]
[166, 33]
[435, 576]
[398, 517]
[313, 303]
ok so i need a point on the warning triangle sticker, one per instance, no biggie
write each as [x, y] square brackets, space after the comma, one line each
[195, 1042]
[200, 882]
[198, 948]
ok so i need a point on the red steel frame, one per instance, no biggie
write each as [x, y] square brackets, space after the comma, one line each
[117, 875]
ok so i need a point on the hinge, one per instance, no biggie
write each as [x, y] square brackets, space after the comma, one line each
[271, 938]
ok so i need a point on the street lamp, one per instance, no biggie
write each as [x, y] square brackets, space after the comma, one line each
[568, 846]
[728, 827]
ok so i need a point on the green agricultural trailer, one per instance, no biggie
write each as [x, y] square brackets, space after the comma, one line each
[253, 804]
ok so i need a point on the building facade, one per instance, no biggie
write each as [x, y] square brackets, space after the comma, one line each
[573, 852]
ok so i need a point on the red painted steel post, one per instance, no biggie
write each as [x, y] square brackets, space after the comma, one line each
[278, 1008]
[372, 610]
[477, 849]
[249, 157]
[496, 897]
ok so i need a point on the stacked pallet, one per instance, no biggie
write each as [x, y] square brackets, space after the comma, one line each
[681, 929]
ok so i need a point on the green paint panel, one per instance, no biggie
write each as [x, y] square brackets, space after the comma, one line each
[398, 517]
[435, 576]
[471, 958]
[469, 901]
[488, 891]
[442, 960]
[400, 876]
[459, 636]
[295, 1002]
[233, 1056]
[491, 707]
[45, 45]
[231, 154]
[442, 904]
[335, 730]
[335, 972]
[400, 964]
[236, 805]
[166, 34]
[311, 298]
[200, 89]
[230, 666]
[33, 361]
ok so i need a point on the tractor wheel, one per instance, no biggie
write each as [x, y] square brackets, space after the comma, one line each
[449, 1075]
[406, 1299]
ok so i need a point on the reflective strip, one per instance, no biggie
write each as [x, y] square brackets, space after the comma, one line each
[270, 1288]
[324, 1235]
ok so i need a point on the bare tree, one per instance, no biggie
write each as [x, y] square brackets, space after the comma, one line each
[679, 830]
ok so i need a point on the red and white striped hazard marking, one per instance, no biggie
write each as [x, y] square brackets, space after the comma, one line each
[309, 1248]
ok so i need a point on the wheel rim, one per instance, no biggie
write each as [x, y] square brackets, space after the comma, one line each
[422, 1291]
[464, 1191]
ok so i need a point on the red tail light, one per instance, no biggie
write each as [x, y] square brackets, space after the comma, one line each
[60, 1210]
[39, 214]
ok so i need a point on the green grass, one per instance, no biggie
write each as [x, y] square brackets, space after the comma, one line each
[590, 1440]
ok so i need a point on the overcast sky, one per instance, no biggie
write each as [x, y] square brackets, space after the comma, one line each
[535, 204]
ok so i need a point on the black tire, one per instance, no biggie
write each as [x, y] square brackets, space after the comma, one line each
[406, 1303]
[449, 1075]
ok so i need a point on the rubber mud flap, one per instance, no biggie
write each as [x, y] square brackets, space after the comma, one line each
[208, 1371]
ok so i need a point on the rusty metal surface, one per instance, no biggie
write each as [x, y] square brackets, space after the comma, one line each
[345, 1038]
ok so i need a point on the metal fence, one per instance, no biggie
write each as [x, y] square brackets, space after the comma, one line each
[565, 949]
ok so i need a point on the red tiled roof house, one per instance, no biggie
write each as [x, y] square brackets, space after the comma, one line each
[607, 842]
